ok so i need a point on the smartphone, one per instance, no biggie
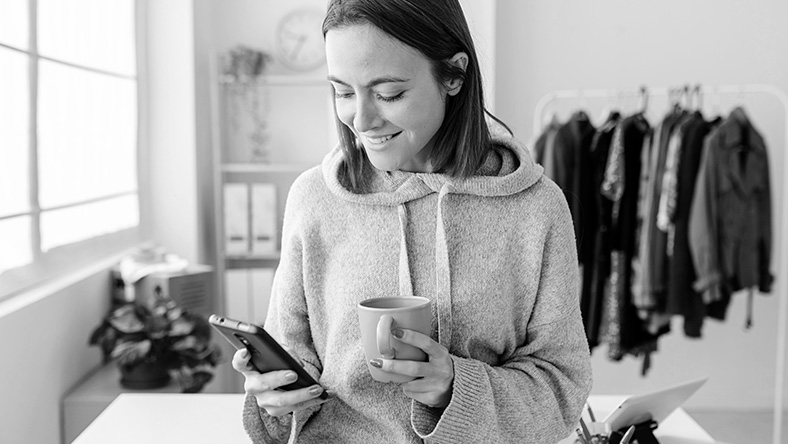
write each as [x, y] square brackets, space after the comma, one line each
[266, 354]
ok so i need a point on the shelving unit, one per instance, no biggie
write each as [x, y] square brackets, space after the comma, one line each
[293, 108]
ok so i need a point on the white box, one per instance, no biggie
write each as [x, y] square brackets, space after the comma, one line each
[264, 218]
[236, 218]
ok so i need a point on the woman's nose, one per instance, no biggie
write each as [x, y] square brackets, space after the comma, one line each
[367, 116]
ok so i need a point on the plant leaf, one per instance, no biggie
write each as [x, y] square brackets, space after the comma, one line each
[125, 320]
[130, 353]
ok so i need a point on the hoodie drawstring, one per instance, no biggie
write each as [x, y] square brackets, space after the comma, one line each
[405, 283]
[442, 271]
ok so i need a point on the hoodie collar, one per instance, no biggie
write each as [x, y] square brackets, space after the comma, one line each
[508, 169]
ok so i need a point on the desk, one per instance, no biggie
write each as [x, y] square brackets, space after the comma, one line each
[88, 399]
[167, 418]
[212, 418]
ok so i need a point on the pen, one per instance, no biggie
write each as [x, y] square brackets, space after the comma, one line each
[628, 435]
[586, 433]
[590, 412]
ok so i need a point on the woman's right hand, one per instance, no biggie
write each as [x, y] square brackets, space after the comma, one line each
[265, 387]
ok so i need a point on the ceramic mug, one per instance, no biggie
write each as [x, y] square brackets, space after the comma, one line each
[378, 316]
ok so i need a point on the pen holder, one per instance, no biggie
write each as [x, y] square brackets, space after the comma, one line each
[599, 432]
[644, 433]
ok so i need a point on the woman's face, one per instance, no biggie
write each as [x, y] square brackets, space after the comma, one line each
[386, 93]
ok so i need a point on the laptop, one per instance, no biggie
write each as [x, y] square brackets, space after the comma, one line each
[654, 406]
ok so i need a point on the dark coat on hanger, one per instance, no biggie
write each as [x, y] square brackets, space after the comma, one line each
[682, 298]
[571, 155]
[730, 219]
[597, 269]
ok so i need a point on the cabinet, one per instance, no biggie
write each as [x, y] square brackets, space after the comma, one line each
[266, 132]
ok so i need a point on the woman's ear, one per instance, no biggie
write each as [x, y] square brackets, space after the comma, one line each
[459, 60]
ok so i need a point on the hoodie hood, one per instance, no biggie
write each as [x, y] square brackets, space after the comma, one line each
[507, 170]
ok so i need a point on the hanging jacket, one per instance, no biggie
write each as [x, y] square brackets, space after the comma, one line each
[730, 220]
[571, 157]
[683, 300]
[597, 269]
[495, 253]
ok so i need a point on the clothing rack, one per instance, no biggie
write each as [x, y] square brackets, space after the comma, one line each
[742, 90]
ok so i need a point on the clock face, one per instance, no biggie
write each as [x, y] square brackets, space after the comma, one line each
[299, 40]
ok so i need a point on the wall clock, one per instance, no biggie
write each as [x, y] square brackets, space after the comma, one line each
[299, 39]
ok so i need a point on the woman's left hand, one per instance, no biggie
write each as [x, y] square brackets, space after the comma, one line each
[434, 378]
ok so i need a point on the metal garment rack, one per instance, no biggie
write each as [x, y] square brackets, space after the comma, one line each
[782, 259]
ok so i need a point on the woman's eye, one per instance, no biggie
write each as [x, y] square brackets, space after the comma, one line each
[391, 98]
[342, 95]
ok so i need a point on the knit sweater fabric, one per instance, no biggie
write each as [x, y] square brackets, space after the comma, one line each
[495, 253]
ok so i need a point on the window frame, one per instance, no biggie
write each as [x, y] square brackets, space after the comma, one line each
[60, 261]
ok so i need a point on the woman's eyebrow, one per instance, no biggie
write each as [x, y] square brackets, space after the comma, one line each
[372, 83]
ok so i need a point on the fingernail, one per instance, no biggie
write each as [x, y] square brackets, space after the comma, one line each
[291, 376]
[398, 333]
[316, 390]
[245, 353]
[377, 363]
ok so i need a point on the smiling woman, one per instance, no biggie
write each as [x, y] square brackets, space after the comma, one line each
[423, 196]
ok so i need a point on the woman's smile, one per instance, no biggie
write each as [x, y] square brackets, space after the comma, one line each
[375, 141]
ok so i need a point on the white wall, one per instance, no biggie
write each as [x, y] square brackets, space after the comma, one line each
[45, 351]
[172, 128]
[481, 17]
[620, 44]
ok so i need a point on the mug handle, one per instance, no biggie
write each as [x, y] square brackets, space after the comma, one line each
[384, 337]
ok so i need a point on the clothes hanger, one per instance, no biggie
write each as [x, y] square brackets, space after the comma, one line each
[685, 98]
[698, 98]
[644, 96]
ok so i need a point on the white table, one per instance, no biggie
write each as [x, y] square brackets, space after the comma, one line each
[216, 418]
[152, 418]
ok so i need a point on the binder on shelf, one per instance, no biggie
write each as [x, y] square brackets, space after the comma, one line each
[236, 218]
[264, 218]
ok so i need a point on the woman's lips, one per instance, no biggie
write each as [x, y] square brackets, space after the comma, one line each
[382, 139]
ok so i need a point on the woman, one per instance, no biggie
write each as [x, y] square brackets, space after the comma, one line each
[420, 198]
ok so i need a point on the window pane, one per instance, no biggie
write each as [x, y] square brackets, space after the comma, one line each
[87, 135]
[95, 33]
[14, 132]
[14, 23]
[68, 225]
[15, 239]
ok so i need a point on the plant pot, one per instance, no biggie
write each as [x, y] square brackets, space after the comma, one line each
[143, 376]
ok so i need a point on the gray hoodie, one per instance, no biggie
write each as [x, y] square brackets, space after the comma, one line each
[496, 254]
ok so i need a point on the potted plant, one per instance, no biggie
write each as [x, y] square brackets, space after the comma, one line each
[156, 341]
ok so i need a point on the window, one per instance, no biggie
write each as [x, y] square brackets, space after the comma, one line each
[68, 136]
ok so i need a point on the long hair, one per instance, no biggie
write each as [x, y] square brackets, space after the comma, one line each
[438, 29]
